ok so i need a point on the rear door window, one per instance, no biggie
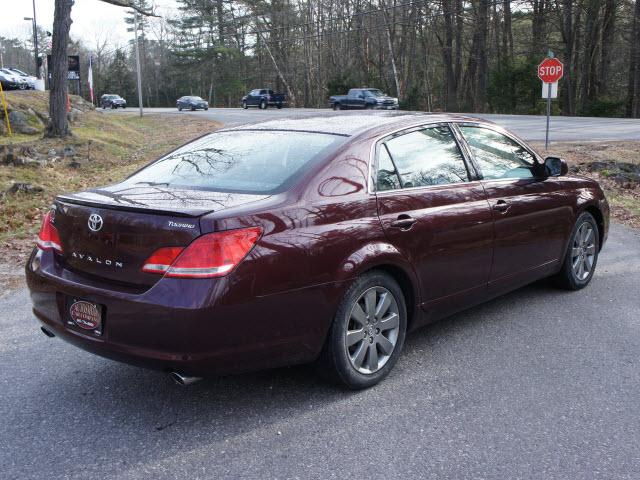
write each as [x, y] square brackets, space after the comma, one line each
[429, 156]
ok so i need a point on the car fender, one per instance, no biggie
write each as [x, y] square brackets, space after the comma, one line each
[379, 254]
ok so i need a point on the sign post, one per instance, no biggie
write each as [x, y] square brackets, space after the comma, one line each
[550, 71]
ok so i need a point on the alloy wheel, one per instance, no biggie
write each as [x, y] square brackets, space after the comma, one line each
[583, 251]
[372, 332]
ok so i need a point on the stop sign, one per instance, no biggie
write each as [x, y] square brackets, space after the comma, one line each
[550, 70]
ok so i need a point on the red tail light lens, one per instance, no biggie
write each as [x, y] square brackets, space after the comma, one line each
[48, 238]
[212, 255]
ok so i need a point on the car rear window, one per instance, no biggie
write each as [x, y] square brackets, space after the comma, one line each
[248, 161]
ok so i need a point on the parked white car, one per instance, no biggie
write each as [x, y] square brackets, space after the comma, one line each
[23, 80]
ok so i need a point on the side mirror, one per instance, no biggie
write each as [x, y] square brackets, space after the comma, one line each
[555, 167]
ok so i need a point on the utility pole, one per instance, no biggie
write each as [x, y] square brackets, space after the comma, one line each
[35, 40]
[34, 25]
[135, 28]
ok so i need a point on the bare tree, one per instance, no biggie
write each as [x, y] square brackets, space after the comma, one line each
[58, 123]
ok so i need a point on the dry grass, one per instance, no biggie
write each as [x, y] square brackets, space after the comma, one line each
[108, 147]
[624, 202]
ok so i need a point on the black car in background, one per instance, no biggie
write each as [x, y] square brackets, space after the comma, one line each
[192, 103]
[263, 98]
[110, 100]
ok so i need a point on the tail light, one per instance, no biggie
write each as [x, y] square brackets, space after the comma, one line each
[48, 238]
[212, 255]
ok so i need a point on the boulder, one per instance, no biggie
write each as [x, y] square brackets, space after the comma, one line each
[20, 123]
[19, 187]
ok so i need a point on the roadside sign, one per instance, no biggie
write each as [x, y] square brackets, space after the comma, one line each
[554, 90]
[550, 70]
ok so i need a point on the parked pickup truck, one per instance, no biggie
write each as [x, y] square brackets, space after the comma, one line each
[363, 98]
[263, 98]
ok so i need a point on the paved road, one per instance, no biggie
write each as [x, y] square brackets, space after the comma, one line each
[529, 127]
[541, 384]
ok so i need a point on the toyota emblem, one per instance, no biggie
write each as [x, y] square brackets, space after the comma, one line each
[95, 222]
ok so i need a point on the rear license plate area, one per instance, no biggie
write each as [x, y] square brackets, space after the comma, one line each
[84, 316]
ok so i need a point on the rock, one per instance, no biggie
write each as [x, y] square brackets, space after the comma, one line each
[8, 157]
[19, 187]
[69, 151]
[75, 164]
[43, 116]
[597, 166]
[20, 123]
[52, 153]
[628, 167]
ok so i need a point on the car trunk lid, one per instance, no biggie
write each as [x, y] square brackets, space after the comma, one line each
[109, 234]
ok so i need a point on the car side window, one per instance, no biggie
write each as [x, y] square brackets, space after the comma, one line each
[254, 92]
[497, 155]
[427, 157]
[387, 177]
[263, 92]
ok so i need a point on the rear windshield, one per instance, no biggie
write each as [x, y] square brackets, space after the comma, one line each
[247, 161]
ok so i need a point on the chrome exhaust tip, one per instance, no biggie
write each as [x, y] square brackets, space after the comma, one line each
[47, 332]
[183, 379]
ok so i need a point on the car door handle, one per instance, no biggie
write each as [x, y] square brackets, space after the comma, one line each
[501, 206]
[404, 222]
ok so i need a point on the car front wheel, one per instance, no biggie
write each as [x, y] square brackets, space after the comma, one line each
[367, 334]
[244, 105]
[582, 254]
[263, 105]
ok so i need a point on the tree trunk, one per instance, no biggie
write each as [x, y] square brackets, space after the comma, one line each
[58, 126]
[608, 37]
[451, 83]
[568, 33]
[483, 69]
[507, 34]
[633, 106]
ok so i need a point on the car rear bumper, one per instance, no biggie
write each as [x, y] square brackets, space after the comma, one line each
[194, 329]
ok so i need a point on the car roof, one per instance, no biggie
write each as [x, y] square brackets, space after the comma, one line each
[349, 124]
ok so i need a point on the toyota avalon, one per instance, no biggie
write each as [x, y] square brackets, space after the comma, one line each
[323, 239]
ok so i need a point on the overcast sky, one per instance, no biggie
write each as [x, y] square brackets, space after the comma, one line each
[91, 19]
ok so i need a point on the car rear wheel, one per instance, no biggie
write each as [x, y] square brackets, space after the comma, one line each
[193, 109]
[336, 106]
[582, 254]
[263, 105]
[279, 106]
[367, 334]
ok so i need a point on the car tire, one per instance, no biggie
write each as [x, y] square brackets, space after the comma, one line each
[279, 106]
[353, 366]
[113, 107]
[581, 256]
[193, 109]
[263, 105]
[179, 109]
[206, 108]
[244, 105]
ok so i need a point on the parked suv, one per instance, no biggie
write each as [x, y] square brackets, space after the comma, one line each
[110, 100]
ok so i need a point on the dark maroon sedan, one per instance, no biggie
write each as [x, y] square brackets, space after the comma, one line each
[321, 239]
